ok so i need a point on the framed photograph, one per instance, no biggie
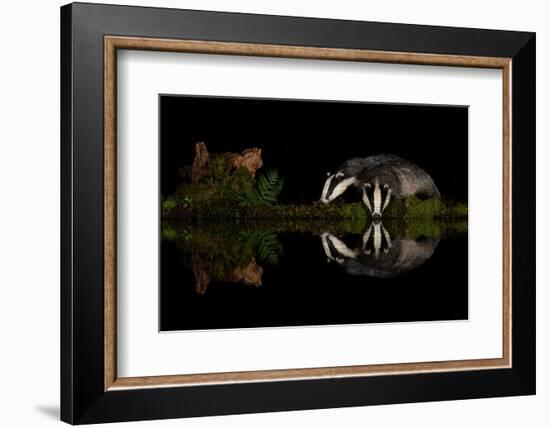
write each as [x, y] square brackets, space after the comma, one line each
[316, 212]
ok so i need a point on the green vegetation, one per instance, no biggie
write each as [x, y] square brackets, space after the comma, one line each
[228, 224]
[416, 228]
[258, 235]
[202, 202]
[234, 195]
[265, 244]
[238, 251]
[224, 253]
[264, 192]
[414, 207]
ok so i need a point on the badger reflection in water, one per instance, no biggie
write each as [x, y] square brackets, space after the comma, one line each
[376, 254]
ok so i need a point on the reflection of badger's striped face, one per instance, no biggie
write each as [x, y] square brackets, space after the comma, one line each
[335, 185]
[376, 197]
[376, 239]
[335, 249]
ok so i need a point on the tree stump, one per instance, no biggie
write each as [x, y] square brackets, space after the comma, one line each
[249, 159]
[201, 163]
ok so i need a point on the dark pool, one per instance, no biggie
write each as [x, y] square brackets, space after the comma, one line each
[273, 275]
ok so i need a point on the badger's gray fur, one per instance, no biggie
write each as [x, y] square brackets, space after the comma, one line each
[378, 255]
[380, 178]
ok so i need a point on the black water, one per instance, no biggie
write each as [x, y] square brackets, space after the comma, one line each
[304, 288]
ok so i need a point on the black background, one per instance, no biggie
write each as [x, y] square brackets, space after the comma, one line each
[306, 139]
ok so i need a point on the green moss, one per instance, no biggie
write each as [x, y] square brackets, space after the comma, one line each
[355, 211]
[205, 232]
[208, 204]
[169, 233]
[219, 169]
[220, 248]
[456, 209]
[413, 207]
[224, 245]
[415, 228]
[184, 231]
[168, 205]
[234, 195]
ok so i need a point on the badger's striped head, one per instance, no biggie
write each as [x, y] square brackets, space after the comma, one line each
[335, 185]
[376, 197]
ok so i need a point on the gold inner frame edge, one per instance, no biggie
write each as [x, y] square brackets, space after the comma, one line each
[113, 43]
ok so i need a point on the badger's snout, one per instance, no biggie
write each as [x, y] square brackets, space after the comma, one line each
[324, 196]
[336, 185]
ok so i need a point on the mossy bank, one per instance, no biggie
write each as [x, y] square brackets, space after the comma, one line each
[229, 193]
[212, 207]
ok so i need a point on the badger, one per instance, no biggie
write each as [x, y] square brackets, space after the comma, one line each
[379, 178]
[377, 255]
[347, 175]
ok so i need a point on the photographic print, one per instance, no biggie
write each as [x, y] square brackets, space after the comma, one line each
[281, 213]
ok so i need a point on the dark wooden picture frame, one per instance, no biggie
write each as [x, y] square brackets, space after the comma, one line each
[90, 389]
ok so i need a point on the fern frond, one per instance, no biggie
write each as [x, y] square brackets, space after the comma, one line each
[265, 191]
[267, 246]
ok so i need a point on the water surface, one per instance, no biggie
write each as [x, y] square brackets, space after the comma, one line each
[273, 274]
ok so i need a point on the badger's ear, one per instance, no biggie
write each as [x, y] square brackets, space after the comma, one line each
[367, 185]
[386, 186]
[328, 174]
